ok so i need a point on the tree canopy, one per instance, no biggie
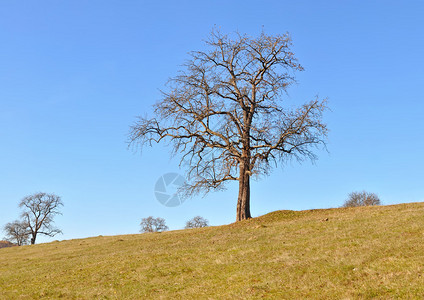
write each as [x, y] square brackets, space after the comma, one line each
[38, 213]
[227, 116]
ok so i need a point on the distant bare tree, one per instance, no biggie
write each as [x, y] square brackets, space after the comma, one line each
[151, 224]
[226, 116]
[197, 222]
[17, 232]
[38, 213]
[362, 199]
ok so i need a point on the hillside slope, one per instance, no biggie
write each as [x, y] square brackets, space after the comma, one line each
[322, 254]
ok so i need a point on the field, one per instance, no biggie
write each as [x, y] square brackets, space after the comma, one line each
[344, 253]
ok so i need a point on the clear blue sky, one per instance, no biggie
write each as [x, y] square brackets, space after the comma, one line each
[74, 74]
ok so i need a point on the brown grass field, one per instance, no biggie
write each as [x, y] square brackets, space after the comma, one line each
[344, 253]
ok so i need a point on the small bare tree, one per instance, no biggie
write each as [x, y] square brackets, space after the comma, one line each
[362, 199]
[226, 115]
[151, 224]
[17, 232]
[197, 222]
[38, 212]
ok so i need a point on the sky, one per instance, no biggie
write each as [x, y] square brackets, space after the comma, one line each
[75, 74]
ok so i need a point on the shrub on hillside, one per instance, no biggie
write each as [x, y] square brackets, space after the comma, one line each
[197, 222]
[151, 224]
[362, 199]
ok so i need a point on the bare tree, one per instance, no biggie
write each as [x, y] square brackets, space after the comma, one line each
[17, 232]
[197, 222]
[362, 199]
[38, 213]
[225, 114]
[151, 224]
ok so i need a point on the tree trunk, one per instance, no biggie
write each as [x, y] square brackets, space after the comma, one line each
[33, 239]
[243, 203]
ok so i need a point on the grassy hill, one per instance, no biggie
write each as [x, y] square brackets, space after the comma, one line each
[345, 253]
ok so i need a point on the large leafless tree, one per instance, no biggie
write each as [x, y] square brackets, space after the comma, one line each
[38, 212]
[226, 114]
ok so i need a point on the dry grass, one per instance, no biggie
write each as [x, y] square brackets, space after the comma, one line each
[346, 253]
